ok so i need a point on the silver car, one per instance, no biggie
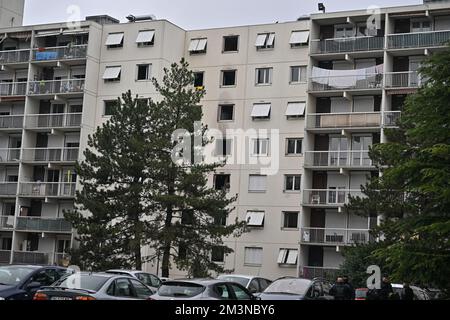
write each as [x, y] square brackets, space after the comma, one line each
[149, 279]
[253, 284]
[95, 286]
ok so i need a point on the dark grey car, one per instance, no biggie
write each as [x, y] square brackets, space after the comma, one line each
[298, 289]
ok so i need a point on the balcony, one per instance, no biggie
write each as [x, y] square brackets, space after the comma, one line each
[5, 256]
[347, 45]
[9, 155]
[320, 272]
[41, 224]
[391, 118]
[13, 89]
[339, 121]
[407, 79]
[328, 197]
[54, 120]
[50, 154]
[8, 189]
[346, 83]
[418, 40]
[334, 236]
[338, 159]
[56, 87]
[6, 222]
[11, 122]
[48, 189]
[14, 56]
[77, 52]
[32, 257]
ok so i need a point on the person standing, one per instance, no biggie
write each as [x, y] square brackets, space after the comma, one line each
[352, 289]
[386, 289]
[407, 292]
[340, 290]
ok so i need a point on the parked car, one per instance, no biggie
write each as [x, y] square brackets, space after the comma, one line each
[419, 293]
[202, 289]
[149, 279]
[21, 282]
[298, 289]
[164, 279]
[95, 286]
[361, 293]
[253, 284]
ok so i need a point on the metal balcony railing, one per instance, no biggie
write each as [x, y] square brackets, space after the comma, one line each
[334, 236]
[8, 89]
[60, 53]
[54, 120]
[32, 257]
[5, 256]
[391, 118]
[47, 189]
[320, 272]
[42, 224]
[343, 120]
[328, 197]
[406, 79]
[9, 155]
[343, 83]
[418, 39]
[50, 154]
[338, 159]
[14, 56]
[45, 87]
[8, 188]
[341, 45]
[11, 122]
[6, 222]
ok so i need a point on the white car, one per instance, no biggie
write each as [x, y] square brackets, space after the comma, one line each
[252, 283]
[419, 293]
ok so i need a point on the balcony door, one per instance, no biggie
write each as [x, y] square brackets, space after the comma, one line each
[338, 151]
[414, 65]
[360, 146]
[57, 117]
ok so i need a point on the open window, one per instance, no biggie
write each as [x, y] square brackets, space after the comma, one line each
[255, 218]
[288, 256]
[112, 74]
[198, 46]
[295, 110]
[145, 38]
[265, 41]
[114, 40]
[299, 39]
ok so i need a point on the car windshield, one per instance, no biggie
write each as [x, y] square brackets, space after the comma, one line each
[289, 286]
[180, 289]
[86, 282]
[241, 280]
[12, 276]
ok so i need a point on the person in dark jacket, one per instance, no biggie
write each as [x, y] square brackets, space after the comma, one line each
[340, 290]
[407, 292]
[352, 289]
[386, 289]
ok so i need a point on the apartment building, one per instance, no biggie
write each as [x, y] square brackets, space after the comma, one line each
[11, 13]
[326, 86]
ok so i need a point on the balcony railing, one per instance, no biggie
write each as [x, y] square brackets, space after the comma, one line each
[407, 79]
[32, 257]
[50, 154]
[8, 89]
[418, 39]
[5, 256]
[391, 118]
[42, 224]
[45, 87]
[11, 122]
[54, 120]
[344, 120]
[8, 188]
[60, 53]
[343, 83]
[6, 222]
[47, 189]
[9, 155]
[338, 159]
[334, 236]
[320, 272]
[14, 56]
[353, 44]
[329, 197]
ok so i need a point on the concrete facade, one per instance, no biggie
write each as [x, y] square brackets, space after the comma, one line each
[11, 13]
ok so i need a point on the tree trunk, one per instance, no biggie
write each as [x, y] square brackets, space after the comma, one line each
[167, 244]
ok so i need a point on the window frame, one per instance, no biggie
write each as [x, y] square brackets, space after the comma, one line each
[115, 46]
[258, 143]
[105, 102]
[249, 184]
[149, 71]
[295, 153]
[254, 264]
[294, 183]
[219, 112]
[266, 47]
[230, 37]
[268, 75]
[302, 69]
[146, 44]
[285, 225]
[222, 78]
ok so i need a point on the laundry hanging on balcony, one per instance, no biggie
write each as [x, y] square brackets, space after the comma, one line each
[343, 79]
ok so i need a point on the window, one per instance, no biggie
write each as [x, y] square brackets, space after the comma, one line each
[198, 46]
[290, 220]
[187, 217]
[253, 256]
[230, 43]
[261, 111]
[114, 40]
[298, 74]
[222, 181]
[288, 256]
[141, 291]
[255, 218]
[257, 183]
[264, 76]
[121, 288]
[228, 78]
[344, 31]
[260, 147]
[149, 279]
[198, 79]
[222, 292]
[295, 110]
[218, 254]
[265, 41]
[294, 146]
[223, 147]
[182, 251]
[226, 112]
[299, 39]
[146, 38]
[292, 182]
[220, 220]
[109, 106]
[112, 74]
[143, 72]
[420, 25]
[239, 293]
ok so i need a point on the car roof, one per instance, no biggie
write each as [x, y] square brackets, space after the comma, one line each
[31, 266]
[240, 276]
[204, 282]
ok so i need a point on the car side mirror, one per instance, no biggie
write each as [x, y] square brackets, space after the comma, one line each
[256, 297]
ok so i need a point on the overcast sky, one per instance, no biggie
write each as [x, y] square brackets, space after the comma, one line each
[196, 14]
